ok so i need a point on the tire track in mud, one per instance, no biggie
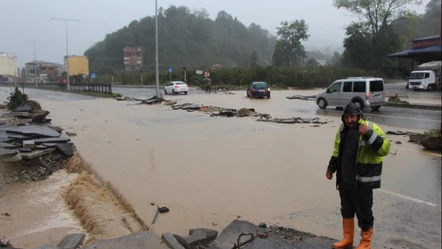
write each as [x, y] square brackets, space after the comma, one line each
[103, 212]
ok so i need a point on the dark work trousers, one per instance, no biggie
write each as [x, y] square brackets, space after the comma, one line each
[357, 199]
[207, 89]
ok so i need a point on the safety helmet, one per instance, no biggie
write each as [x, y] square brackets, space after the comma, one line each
[352, 109]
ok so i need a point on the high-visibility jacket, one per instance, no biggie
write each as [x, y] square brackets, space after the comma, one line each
[373, 147]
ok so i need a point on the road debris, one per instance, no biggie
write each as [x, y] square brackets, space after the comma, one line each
[153, 100]
[302, 97]
[431, 140]
[30, 150]
[215, 111]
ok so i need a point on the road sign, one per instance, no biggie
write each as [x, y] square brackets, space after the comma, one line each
[93, 75]
[199, 71]
[206, 74]
[170, 69]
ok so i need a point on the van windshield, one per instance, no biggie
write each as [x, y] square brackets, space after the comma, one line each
[376, 86]
[416, 76]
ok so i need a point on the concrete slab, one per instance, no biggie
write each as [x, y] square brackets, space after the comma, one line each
[42, 131]
[30, 144]
[7, 145]
[172, 241]
[23, 108]
[65, 149]
[141, 240]
[37, 153]
[7, 153]
[46, 247]
[61, 139]
[71, 241]
[229, 237]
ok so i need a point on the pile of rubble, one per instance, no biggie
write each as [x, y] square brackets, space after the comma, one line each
[30, 150]
[238, 234]
[430, 141]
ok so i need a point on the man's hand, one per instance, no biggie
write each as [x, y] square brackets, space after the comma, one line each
[363, 129]
[329, 175]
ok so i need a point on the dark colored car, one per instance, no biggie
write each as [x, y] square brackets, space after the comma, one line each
[258, 89]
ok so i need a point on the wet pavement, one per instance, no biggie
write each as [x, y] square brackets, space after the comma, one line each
[210, 171]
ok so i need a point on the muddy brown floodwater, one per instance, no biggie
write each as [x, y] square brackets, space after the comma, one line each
[209, 171]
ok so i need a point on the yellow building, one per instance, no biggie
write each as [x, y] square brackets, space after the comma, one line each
[77, 65]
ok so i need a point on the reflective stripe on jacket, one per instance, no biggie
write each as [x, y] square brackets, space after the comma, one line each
[373, 146]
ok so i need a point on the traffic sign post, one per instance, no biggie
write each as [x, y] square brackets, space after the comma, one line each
[199, 72]
[170, 70]
[93, 76]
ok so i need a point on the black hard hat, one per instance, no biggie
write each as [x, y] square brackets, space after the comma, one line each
[352, 109]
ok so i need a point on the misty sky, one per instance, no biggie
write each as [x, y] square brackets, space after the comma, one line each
[27, 20]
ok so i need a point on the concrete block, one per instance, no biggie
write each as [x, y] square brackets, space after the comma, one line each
[140, 240]
[171, 241]
[211, 234]
[72, 241]
[198, 237]
[28, 144]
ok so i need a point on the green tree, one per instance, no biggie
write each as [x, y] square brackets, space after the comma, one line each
[289, 50]
[376, 13]
[336, 59]
[254, 59]
[186, 37]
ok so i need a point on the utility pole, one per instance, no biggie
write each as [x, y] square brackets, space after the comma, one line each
[157, 77]
[67, 43]
[35, 61]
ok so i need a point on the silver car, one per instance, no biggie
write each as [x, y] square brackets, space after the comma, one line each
[363, 91]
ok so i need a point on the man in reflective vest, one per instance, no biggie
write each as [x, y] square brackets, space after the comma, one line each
[357, 159]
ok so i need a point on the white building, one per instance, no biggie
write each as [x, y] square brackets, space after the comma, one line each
[8, 68]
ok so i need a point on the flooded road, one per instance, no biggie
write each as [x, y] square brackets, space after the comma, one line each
[35, 214]
[209, 171]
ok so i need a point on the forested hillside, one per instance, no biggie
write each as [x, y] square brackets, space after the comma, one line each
[186, 38]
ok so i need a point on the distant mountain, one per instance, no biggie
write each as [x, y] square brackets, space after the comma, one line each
[186, 38]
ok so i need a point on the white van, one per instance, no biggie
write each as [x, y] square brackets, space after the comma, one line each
[363, 91]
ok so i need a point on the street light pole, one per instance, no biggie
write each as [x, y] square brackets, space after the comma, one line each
[157, 77]
[67, 44]
[35, 61]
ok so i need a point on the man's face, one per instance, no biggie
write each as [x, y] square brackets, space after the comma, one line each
[351, 120]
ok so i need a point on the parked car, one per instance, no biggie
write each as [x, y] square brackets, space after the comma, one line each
[258, 89]
[176, 87]
[363, 91]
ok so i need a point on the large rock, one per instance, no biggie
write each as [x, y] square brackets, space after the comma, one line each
[432, 143]
[141, 240]
[229, 237]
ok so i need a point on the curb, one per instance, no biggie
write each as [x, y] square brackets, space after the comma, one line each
[415, 106]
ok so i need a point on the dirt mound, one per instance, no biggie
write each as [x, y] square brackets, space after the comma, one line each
[34, 104]
[102, 211]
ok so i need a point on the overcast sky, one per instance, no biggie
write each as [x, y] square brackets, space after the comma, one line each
[26, 20]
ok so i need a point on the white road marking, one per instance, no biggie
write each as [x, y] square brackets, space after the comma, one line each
[407, 197]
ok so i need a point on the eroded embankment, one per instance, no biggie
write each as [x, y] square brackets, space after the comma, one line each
[103, 212]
